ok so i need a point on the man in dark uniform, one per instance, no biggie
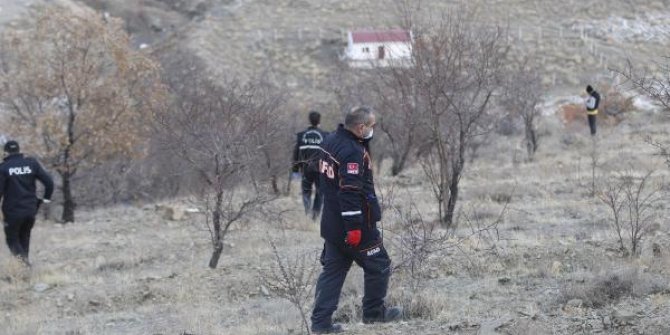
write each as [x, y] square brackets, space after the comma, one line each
[349, 224]
[592, 102]
[20, 202]
[306, 160]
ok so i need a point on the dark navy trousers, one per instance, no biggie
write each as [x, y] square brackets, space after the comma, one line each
[17, 236]
[336, 261]
[592, 123]
[310, 178]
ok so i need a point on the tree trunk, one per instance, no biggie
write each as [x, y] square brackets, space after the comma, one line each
[456, 170]
[399, 164]
[396, 168]
[68, 200]
[275, 184]
[217, 239]
[216, 254]
[442, 208]
[287, 191]
[531, 140]
[453, 197]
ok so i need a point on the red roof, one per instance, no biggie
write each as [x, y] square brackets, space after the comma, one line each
[380, 36]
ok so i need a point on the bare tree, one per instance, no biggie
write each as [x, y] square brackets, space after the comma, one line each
[634, 204]
[460, 68]
[395, 92]
[662, 148]
[76, 92]
[654, 86]
[225, 135]
[522, 94]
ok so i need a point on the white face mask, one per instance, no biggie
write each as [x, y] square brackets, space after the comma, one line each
[369, 136]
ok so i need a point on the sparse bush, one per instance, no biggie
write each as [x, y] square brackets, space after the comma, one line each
[418, 243]
[572, 113]
[291, 278]
[609, 287]
[508, 126]
[634, 203]
[419, 305]
[415, 241]
[501, 197]
[615, 103]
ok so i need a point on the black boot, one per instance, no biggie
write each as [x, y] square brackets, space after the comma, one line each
[384, 315]
[332, 329]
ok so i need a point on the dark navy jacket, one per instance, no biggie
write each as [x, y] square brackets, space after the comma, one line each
[593, 102]
[17, 186]
[308, 149]
[347, 185]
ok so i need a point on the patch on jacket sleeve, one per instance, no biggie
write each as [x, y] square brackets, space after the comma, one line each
[352, 168]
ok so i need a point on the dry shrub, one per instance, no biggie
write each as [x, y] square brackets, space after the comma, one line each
[614, 105]
[572, 114]
[350, 309]
[291, 277]
[612, 285]
[13, 271]
[501, 197]
[634, 203]
[422, 305]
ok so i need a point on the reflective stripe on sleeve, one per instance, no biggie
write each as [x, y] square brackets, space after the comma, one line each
[309, 147]
[352, 213]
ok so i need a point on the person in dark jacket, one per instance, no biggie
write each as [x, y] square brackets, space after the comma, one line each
[306, 160]
[349, 224]
[19, 199]
[592, 103]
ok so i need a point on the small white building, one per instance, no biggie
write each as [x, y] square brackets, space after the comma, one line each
[370, 48]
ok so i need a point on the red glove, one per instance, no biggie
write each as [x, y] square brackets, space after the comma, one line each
[353, 237]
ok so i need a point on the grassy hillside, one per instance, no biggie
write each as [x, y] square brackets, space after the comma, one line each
[551, 266]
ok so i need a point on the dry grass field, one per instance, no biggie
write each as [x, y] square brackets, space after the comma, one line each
[549, 262]
[551, 267]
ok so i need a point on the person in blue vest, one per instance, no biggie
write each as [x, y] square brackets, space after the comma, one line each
[19, 200]
[306, 160]
[349, 224]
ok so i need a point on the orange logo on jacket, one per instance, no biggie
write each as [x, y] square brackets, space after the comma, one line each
[327, 169]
